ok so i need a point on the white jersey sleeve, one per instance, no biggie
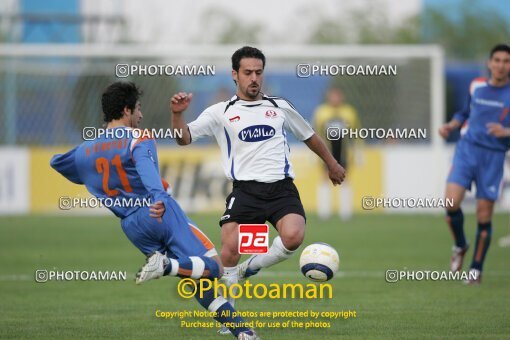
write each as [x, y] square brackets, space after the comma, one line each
[294, 122]
[208, 123]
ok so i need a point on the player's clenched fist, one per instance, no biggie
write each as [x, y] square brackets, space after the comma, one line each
[157, 210]
[445, 130]
[180, 102]
[336, 174]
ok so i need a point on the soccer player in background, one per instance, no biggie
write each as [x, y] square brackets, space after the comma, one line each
[127, 167]
[251, 131]
[479, 157]
[332, 116]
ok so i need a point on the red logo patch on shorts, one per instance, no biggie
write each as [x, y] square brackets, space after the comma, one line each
[253, 238]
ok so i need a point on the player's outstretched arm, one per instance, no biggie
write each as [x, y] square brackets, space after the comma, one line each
[66, 166]
[178, 104]
[336, 171]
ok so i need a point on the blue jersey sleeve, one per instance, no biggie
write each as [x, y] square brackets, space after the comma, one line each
[145, 157]
[463, 114]
[65, 164]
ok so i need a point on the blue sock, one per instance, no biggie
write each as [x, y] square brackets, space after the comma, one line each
[455, 220]
[224, 311]
[483, 241]
[205, 267]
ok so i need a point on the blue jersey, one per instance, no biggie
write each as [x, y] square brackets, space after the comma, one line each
[125, 169]
[486, 104]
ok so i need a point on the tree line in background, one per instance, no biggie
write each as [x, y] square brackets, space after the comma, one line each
[466, 32]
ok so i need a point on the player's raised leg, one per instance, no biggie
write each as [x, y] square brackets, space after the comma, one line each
[190, 255]
[291, 230]
[195, 267]
[173, 245]
[455, 220]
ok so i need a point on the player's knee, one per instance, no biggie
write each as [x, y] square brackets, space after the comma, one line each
[484, 209]
[292, 240]
[454, 206]
[483, 215]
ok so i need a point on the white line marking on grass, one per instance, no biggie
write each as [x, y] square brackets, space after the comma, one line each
[370, 274]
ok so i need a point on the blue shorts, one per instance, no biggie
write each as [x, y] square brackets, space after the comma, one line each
[473, 163]
[176, 235]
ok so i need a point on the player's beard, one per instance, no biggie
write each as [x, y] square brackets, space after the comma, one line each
[251, 93]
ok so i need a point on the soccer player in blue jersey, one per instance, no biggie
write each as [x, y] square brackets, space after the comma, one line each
[120, 165]
[479, 157]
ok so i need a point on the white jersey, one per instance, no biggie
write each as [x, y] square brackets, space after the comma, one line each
[252, 136]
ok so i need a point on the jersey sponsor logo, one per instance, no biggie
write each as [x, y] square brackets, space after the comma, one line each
[234, 119]
[256, 133]
[486, 102]
[253, 238]
[271, 114]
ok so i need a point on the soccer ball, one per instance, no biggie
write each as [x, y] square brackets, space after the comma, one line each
[319, 262]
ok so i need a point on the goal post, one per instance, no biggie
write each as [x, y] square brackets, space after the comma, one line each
[50, 92]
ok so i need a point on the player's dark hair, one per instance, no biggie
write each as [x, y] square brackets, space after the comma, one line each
[499, 48]
[247, 52]
[116, 97]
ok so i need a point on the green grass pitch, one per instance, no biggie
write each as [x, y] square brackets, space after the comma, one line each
[368, 245]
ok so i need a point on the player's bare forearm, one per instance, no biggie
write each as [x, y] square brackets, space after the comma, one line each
[179, 123]
[336, 171]
[498, 130]
[447, 128]
[178, 104]
[454, 124]
[316, 144]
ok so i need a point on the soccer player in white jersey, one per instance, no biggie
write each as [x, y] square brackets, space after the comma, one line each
[251, 131]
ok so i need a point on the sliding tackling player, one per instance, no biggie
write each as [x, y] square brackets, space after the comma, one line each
[126, 167]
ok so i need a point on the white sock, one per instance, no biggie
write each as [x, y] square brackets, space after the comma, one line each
[345, 196]
[323, 200]
[175, 267]
[276, 254]
[230, 276]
